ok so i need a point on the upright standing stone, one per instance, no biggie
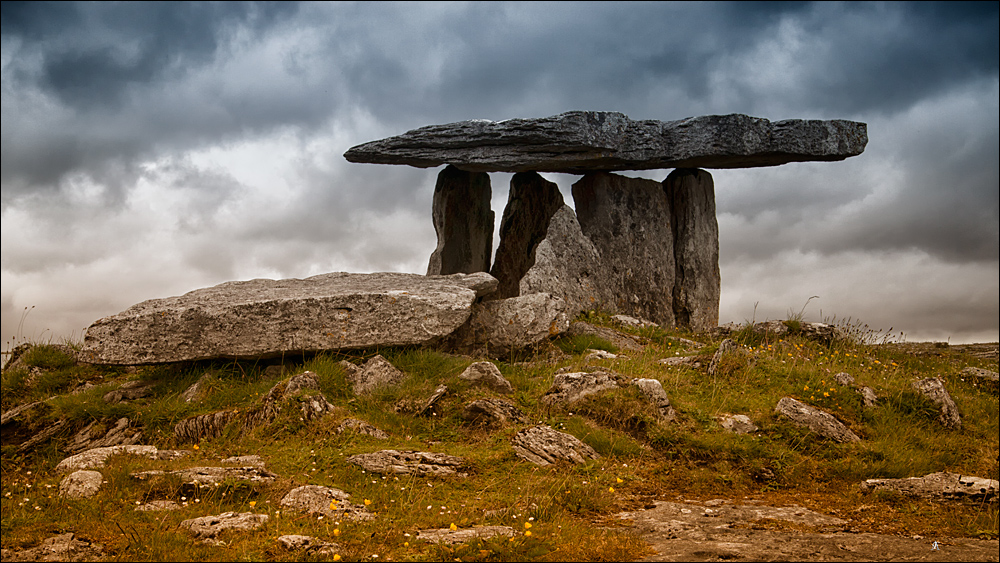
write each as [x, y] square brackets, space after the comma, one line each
[628, 221]
[463, 222]
[532, 202]
[691, 194]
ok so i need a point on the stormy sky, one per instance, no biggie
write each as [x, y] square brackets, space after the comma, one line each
[152, 149]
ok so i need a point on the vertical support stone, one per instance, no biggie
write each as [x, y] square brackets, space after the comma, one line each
[629, 222]
[463, 222]
[532, 202]
[691, 194]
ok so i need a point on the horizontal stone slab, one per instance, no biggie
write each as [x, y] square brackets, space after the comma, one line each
[577, 142]
[268, 318]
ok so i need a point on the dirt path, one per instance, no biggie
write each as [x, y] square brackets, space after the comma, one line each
[720, 530]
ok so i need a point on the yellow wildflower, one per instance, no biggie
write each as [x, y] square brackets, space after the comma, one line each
[453, 527]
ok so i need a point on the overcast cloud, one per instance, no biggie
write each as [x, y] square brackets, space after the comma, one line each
[151, 149]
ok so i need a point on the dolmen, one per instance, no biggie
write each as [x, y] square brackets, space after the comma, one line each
[632, 246]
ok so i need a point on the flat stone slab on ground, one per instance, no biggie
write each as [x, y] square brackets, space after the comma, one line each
[266, 318]
[463, 535]
[409, 463]
[97, 456]
[64, 547]
[208, 527]
[328, 501]
[822, 423]
[941, 485]
[581, 141]
[543, 445]
[207, 477]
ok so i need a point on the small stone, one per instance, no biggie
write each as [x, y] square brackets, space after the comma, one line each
[942, 485]
[97, 456]
[295, 542]
[844, 379]
[652, 391]
[416, 463]
[822, 423]
[376, 372]
[492, 412]
[361, 427]
[933, 389]
[81, 484]
[208, 527]
[463, 535]
[326, 501]
[488, 375]
[129, 391]
[542, 445]
[568, 388]
[157, 505]
[738, 423]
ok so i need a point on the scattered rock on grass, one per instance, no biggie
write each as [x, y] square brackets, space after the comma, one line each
[738, 423]
[492, 412]
[314, 546]
[326, 501]
[375, 373]
[202, 427]
[652, 391]
[208, 528]
[940, 485]
[121, 434]
[97, 456]
[568, 388]
[361, 427]
[129, 391]
[64, 547]
[206, 477]
[157, 505]
[820, 422]
[81, 484]
[409, 463]
[487, 374]
[452, 537]
[542, 445]
[933, 389]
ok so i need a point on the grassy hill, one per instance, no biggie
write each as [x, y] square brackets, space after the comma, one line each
[569, 507]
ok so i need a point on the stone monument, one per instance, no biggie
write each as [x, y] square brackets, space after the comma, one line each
[634, 246]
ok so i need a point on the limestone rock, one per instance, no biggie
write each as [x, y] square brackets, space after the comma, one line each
[295, 542]
[192, 392]
[933, 389]
[691, 361]
[81, 484]
[97, 456]
[121, 434]
[376, 372]
[430, 406]
[531, 203]
[941, 485]
[252, 460]
[209, 477]
[844, 378]
[302, 381]
[328, 501]
[592, 355]
[697, 282]
[990, 378]
[504, 325]
[820, 422]
[652, 391]
[738, 423]
[42, 436]
[487, 374]
[361, 427]
[208, 527]
[64, 547]
[566, 265]
[727, 346]
[409, 463]
[202, 427]
[315, 406]
[463, 222]
[267, 318]
[463, 535]
[157, 505]
[568, 388]
[629, 222]
[868, 396]
[581, 141]
[632, 322]
[542, 445]
[492, 412]
[16, 413]
[129, 391]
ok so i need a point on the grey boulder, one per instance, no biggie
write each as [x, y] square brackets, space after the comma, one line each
[81, 484]
[268, 318]
[942, 485]
[542, 445]
[822, 423]
[409, 463]
[933, 389]
[581, 141]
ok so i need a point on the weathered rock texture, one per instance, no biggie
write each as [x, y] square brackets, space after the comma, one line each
[209, 477]
[81, 484]
[629, 222]
[330, 502]
[194, 429]
[498, 327]
[90, 436]
[697, 283]
[452, 537]
[97, 456]
[822, 423]
[492, 412]
[463, 222]
[738, 423]
[941, 485]
[376, 372]
[933, 389]
[64, 547]
[314, 546]
[652, 391]
[488, 375]
[361, 427]
[582, 141]
[542, 445]
[409, 463]
[268, 318]
[565, 264]
[208, 527]
[532, 202]
[568, 388]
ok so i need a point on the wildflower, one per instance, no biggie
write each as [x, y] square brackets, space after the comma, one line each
[367, 502]
[619, 479]
[195, 447]
[453, 527]
[336, 557]
[336, 531]
[253, 503]
[825, 394]
[406, 544]
[333, 504]
[611, 489]
[527, 525]
[527, 533]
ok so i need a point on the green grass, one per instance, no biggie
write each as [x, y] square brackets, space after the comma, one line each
[643, 457]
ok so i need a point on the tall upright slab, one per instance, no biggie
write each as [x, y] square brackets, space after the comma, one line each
[697, 284]
[629, 222]
[463, 222]
[532, 202]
